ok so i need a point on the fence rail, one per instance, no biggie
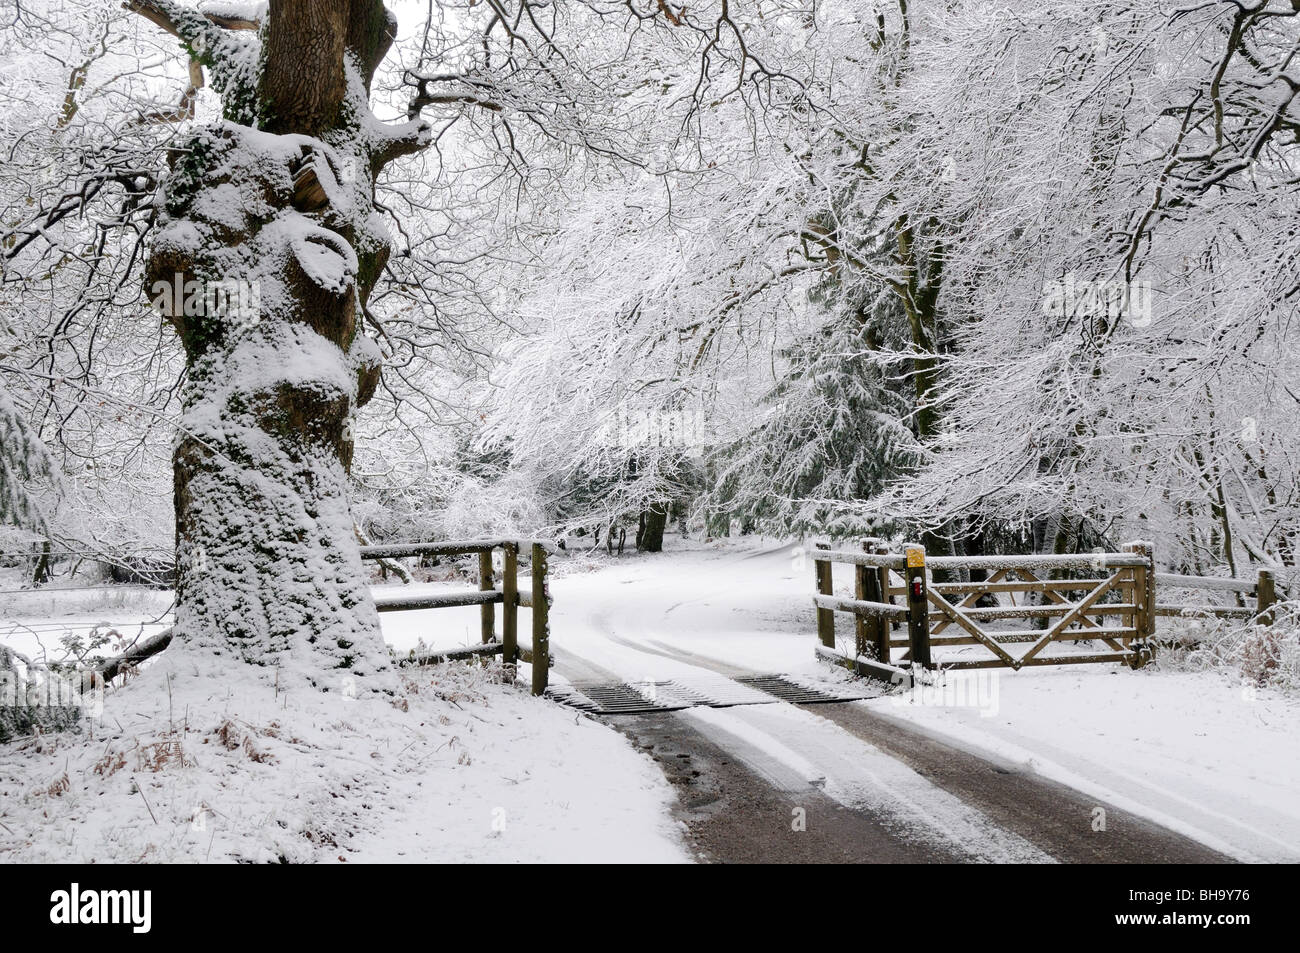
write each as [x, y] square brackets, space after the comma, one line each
[898, 606]
[1206, 582]
[487, 596]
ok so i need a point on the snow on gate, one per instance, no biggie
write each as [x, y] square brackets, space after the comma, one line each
[959, 612]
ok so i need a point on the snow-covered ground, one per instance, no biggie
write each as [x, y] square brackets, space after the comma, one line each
[1197, 752]
[1194, 752]
[36, 622]
[184, 766]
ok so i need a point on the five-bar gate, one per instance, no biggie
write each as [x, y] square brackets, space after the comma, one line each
[1001, 611]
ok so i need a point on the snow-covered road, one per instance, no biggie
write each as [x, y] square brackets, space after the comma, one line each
[1189, 752]
[1185, 766]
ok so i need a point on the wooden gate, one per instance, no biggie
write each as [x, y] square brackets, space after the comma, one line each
[1012, 611]
[993, 611]
[1107, 603]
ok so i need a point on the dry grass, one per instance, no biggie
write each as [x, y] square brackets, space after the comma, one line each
[255, 753]
[228, 735]
[159, 755]
[111, 763]
[454, 682]
[232, 736]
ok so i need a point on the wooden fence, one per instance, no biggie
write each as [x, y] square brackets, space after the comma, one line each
[487, 596]
[902, 615]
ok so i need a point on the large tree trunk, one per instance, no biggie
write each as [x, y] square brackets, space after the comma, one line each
[656, 518]
[276, 208]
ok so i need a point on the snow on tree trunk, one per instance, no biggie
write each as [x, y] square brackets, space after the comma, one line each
[268, 562]
[267, 248]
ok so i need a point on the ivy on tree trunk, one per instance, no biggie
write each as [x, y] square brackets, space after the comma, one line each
[274, 209]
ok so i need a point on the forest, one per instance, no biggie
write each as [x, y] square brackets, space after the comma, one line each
[282, 280]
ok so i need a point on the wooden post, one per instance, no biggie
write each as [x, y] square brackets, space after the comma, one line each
[825, 617]
[541, 622]
[1145, 582]
[876, 631]
[1144, 598]
[1149, 588]
[1132, 618]
[510, 611]
[918, 607]
[488, 610]
[863, 586]
[1265, 597]
[882, 577]
[884, 626]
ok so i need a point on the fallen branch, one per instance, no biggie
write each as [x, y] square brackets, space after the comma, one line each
[133, 656]
[387, 564]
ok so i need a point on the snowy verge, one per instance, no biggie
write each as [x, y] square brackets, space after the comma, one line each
[199, 759]
[1194, 752]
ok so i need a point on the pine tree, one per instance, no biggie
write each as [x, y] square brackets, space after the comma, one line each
[835, 434]
[23, 461]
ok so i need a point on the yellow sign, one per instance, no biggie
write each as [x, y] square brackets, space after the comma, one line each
[915, 557]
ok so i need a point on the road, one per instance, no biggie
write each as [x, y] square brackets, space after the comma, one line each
[836, 783]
